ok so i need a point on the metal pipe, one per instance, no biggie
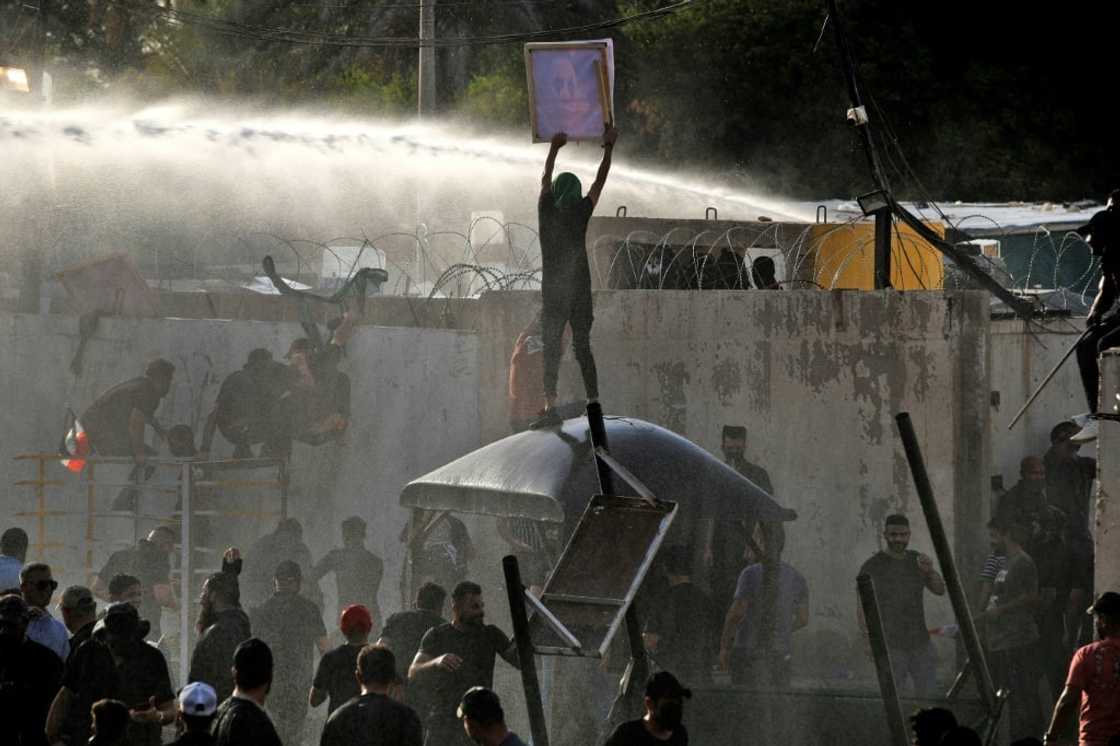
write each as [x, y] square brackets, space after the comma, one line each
[185, 577]
[525, 654]
[979, 662]
[895, 721]
[599, 441]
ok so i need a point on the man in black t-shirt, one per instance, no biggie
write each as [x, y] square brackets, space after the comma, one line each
[661, 725]
[242, 720]
[244, 401]
[681, 629]
[69, 721]
[334, 677]
[222, 625]
[455, 657]
[150, 561]
[563, 214]
[373, 718]
[404, 631]
[143, 681]
[901, 578]
[116, 419]
[293, 628]
[29, 676]
[357, 571]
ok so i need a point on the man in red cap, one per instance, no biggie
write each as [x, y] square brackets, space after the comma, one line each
[335, 682]
[1093, 683]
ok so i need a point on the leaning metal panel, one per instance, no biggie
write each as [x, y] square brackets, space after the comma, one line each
[599, 573]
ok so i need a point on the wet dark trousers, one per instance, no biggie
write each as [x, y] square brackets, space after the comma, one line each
[553, 318]
[1103, 336]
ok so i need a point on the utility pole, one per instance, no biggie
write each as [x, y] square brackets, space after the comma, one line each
[31, 260]
[858, 116]
[426, 72]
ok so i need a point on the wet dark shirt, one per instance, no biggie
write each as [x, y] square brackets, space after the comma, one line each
[151, 567]
[335, 675]
[143, 674]
[404, 631]
[477, 645]
[634, 733]
[90, 675]
[1022, 505]
[241, 722]
[29, 681]
[565, 273]
[900, 589]
[106, 420]
[212, 659]
[358, 573]
[1069, 486]
[686, 623]
[291, 625]
[372, 720]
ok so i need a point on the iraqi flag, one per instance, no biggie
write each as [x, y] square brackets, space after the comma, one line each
[75, 446]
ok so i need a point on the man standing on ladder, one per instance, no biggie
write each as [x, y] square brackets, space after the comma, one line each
[563, 214]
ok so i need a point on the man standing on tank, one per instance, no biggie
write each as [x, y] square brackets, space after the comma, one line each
[563, 213]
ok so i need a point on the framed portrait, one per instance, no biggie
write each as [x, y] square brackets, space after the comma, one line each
[571, 88]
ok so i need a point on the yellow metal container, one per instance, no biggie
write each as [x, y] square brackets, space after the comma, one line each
[844, 257]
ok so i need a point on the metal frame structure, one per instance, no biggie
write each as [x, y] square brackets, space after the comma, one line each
[186, 486]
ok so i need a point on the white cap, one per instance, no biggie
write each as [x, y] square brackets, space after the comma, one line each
[198, 699]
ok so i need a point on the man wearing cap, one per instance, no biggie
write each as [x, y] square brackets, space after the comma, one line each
[150, 562]
[13, 553]
[1093, 683]
[484, 720]
[293, 628]
[357, 571]
[334, 677]
[29, 675]
[374, 718]
[144, 683]
[661, 725]
[115, 421]
[242, 720]
[454, 657]
[37, 587]
[90, 674]
[198, 704]
[223, 626]
[244, 400]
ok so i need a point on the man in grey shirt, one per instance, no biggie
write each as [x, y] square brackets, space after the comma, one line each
[1013, 631]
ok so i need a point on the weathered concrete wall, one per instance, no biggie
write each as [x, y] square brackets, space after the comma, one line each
[1107, 534]
[817, 378]
[414, 407]
[1019, 362]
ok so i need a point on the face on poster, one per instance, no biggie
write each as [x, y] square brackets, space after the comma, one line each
[570, 89]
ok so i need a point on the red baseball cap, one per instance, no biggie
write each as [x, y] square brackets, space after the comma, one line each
[355, 619]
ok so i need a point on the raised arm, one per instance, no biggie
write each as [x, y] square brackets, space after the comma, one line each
[559, 140]
[1106, 296]
[610, 136]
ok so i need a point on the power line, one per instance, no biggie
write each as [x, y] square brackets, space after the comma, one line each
[284, 35]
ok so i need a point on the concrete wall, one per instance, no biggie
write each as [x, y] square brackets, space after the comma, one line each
[414, 407]
[1019, 363]
[817, 378]
[1107, 533]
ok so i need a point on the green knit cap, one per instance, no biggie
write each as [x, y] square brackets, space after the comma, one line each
[566, 190]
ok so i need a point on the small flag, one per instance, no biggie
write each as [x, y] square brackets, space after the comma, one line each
[75, 448]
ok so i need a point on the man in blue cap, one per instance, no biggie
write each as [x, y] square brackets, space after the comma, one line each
[198, 704]
[563, 213]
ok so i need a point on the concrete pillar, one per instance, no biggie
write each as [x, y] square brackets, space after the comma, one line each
[1107, 533]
